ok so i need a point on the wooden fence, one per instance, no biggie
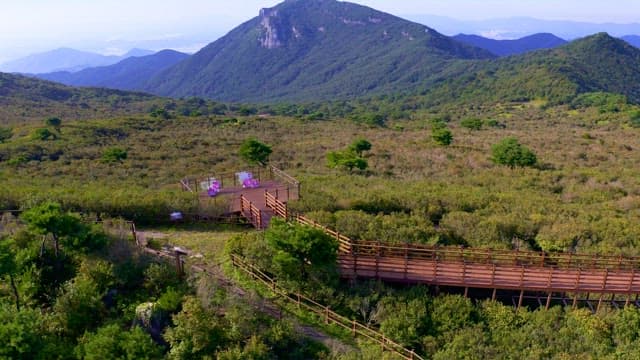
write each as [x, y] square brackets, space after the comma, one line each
[329, 316]
[230, 179]
[252, 212]
[291, 182]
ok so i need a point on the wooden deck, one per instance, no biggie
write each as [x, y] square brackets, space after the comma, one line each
[446, 266]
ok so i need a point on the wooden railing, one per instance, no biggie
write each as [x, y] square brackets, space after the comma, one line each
[286, 178]
[344, 243]
[462, 254]
[251, 212]
[329, 316]
[226, 179]
[279, 208]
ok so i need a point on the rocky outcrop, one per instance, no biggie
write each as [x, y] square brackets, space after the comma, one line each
[271, 37]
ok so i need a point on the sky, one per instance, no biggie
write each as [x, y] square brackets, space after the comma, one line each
[114, 26]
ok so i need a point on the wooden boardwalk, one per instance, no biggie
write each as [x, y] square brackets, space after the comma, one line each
[523, 271]
[529, 271]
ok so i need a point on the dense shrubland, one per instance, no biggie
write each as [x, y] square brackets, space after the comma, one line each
[87, 295]
[582, 195]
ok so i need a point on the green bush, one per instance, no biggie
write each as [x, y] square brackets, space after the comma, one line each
[113, 155]
[43, 134]
[510, 152]
[443, 137]
[471, 123]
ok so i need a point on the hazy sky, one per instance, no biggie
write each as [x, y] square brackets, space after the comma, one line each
[113, 25]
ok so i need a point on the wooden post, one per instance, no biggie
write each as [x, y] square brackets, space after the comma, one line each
[326, 318]
[493, 296]
[548, 302]
[466, 292]
[133, 232]
[599, 302]
[520, 299]
[354, 328]
[575, 301]
[179, 267]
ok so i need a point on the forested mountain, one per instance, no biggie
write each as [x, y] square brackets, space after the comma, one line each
[315, 49]
[598, 63]
[512, 47]
[129, 74]
[65, 59]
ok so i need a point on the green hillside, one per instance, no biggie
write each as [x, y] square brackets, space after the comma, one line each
[320, 49]
[598, 63]
[24, 99]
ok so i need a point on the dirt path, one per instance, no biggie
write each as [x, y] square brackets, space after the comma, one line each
[214, 271]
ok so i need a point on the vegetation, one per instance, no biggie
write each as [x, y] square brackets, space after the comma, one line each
[68, 289]
[350, 158]
[442, 136]
[255, 152]
[114, 154]
[510, 152]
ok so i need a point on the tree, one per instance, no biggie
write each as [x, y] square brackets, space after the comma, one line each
[22, 333]
[346, 159]
[49, 218]
[197, 332]
[471, 123]
[442, 137]
[302, 254]
[114, 154]
[112, 342]
[255, 152]
[510, 152]
[5, 134]
[360, 146]
[54, 122]
[8, 267]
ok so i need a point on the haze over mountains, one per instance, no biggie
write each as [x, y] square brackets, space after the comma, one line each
[316, 50]
[65, 59]
[513, 47]
[518, 27]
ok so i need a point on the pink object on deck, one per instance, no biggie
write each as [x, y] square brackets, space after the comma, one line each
[250, 183]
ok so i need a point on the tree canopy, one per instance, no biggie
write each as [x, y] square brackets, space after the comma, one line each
[510, 152]
[255, 152]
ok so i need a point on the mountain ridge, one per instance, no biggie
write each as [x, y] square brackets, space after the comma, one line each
[65, 59]
[302, 48]
[128, 74]
[512, 47]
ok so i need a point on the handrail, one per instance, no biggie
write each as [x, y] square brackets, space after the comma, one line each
[330, 316]
[284, 176]
[462, 254]
[251, 212]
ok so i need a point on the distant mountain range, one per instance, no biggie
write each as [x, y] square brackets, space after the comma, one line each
[315, 50]
[129, 74]
[512, 47]
[518, 27]
[65, 59]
